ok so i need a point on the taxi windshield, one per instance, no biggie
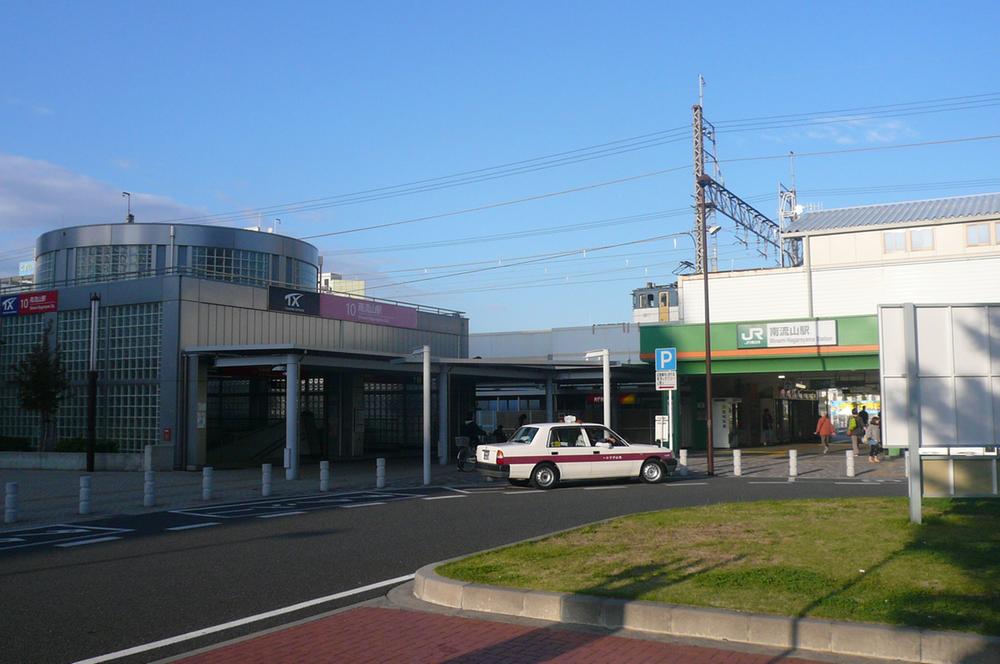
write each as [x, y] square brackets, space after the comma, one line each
[523, 435]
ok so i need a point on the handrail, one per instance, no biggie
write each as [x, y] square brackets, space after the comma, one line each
[199, 273]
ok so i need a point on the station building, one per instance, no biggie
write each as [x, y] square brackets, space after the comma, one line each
[800, 339]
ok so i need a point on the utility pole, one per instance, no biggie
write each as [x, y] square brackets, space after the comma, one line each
[701, 242]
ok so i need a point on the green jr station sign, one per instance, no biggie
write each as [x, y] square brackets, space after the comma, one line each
[787, 334]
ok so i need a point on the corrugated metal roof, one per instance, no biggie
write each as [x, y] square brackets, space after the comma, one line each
[898, 213]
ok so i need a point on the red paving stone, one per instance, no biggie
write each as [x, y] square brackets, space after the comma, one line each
[379, 635]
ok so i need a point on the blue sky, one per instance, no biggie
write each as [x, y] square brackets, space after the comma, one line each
[206, 108]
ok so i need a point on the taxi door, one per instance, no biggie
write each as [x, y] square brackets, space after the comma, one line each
[614, 461]
[569, 448]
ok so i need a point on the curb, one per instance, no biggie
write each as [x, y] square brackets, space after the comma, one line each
[836, 637]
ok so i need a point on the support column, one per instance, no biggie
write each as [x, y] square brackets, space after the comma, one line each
[550, 406]
[443, 416]
[196, 415]
[606, 377]
[913, 433]
[427, 414]
[292, 418]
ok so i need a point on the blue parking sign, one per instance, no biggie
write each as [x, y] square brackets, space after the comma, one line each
[666, 359]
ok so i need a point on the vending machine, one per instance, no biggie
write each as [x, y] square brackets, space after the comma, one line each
[726, 422]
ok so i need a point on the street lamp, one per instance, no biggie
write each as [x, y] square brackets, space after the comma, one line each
[710, 452]
[605, 355]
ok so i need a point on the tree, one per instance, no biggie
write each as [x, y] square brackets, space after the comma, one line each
[41, 381]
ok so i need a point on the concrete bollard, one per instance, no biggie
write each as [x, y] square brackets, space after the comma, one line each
[793, 463]
[85, 495]
[148, 489]
[379, 473]
[10, 503]
[324, 475]
[682, 465]
[906, 463]
[206, 483]
[737, 463]
[265, 479]
[849, 455]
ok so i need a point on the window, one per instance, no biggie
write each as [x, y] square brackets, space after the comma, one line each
[112, 262]
[977, 235]
[523, 435]
[568, 437]
[894, 241]
[602, 435]
[237, 265]
[921, 239]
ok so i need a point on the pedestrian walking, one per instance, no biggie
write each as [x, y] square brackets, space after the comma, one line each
[824, 429]
[766, 427]
[854, 430]
[873, 435]
[863, 414]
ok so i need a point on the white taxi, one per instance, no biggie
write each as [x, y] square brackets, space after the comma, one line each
[545, 454]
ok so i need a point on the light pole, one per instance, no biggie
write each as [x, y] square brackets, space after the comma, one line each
[95, 300]
[605, 355]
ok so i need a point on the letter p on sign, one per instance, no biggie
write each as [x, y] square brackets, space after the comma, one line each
[666, 359]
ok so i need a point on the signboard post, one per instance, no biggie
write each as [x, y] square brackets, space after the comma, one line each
[666, 380]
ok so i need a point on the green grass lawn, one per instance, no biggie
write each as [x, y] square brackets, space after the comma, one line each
[845, 559]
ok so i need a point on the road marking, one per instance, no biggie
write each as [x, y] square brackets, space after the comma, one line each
[521, 493]
[441, 497]
[195, 525]
[687, 484]
[600, 488]
[92, 541]
[271, 516]
[856, 483]
[449, 488]
[781, 482]
[347, 507]
[243, 621]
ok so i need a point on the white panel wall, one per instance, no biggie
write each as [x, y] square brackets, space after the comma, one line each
[958, 375]
[751, 295]
[841, 290]
[566, 343]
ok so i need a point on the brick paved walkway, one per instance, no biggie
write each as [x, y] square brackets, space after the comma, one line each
[382, 635]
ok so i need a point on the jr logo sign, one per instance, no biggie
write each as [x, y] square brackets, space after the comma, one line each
[751, 336]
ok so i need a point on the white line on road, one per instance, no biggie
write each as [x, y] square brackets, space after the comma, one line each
[92, 541]
[687, 484]
[451, 488]
[195, 525]
[243, 621]
[347, 507]
[521, 493]
[857, 483]
[599, 488]
[781, 482]
[271, 516]
[441, 497]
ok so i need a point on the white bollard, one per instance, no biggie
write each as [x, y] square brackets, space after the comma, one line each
[324, 475]
[206, 483]
[906, 463]
[379, 473]
[682, 466]
[148, 489]
[265, 479]
[849, 455]
[10, 503]
[85, 494]
[793, 463]
[737, 463]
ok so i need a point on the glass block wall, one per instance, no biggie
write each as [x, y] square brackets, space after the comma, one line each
[114, 262]
[18, 335]
[237, 265]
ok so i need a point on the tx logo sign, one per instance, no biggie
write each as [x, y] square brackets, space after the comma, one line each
[10, 305]
[292, 300]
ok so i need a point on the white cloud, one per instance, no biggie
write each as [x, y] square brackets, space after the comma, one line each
[847, 131]
[38, 196]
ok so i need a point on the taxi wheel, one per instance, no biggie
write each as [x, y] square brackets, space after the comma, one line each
[544, 476]
[652, 471]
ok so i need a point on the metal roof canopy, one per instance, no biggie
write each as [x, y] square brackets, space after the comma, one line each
[955, 209]
[275, 354]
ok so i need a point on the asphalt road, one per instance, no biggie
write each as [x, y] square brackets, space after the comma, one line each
[68, 596]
